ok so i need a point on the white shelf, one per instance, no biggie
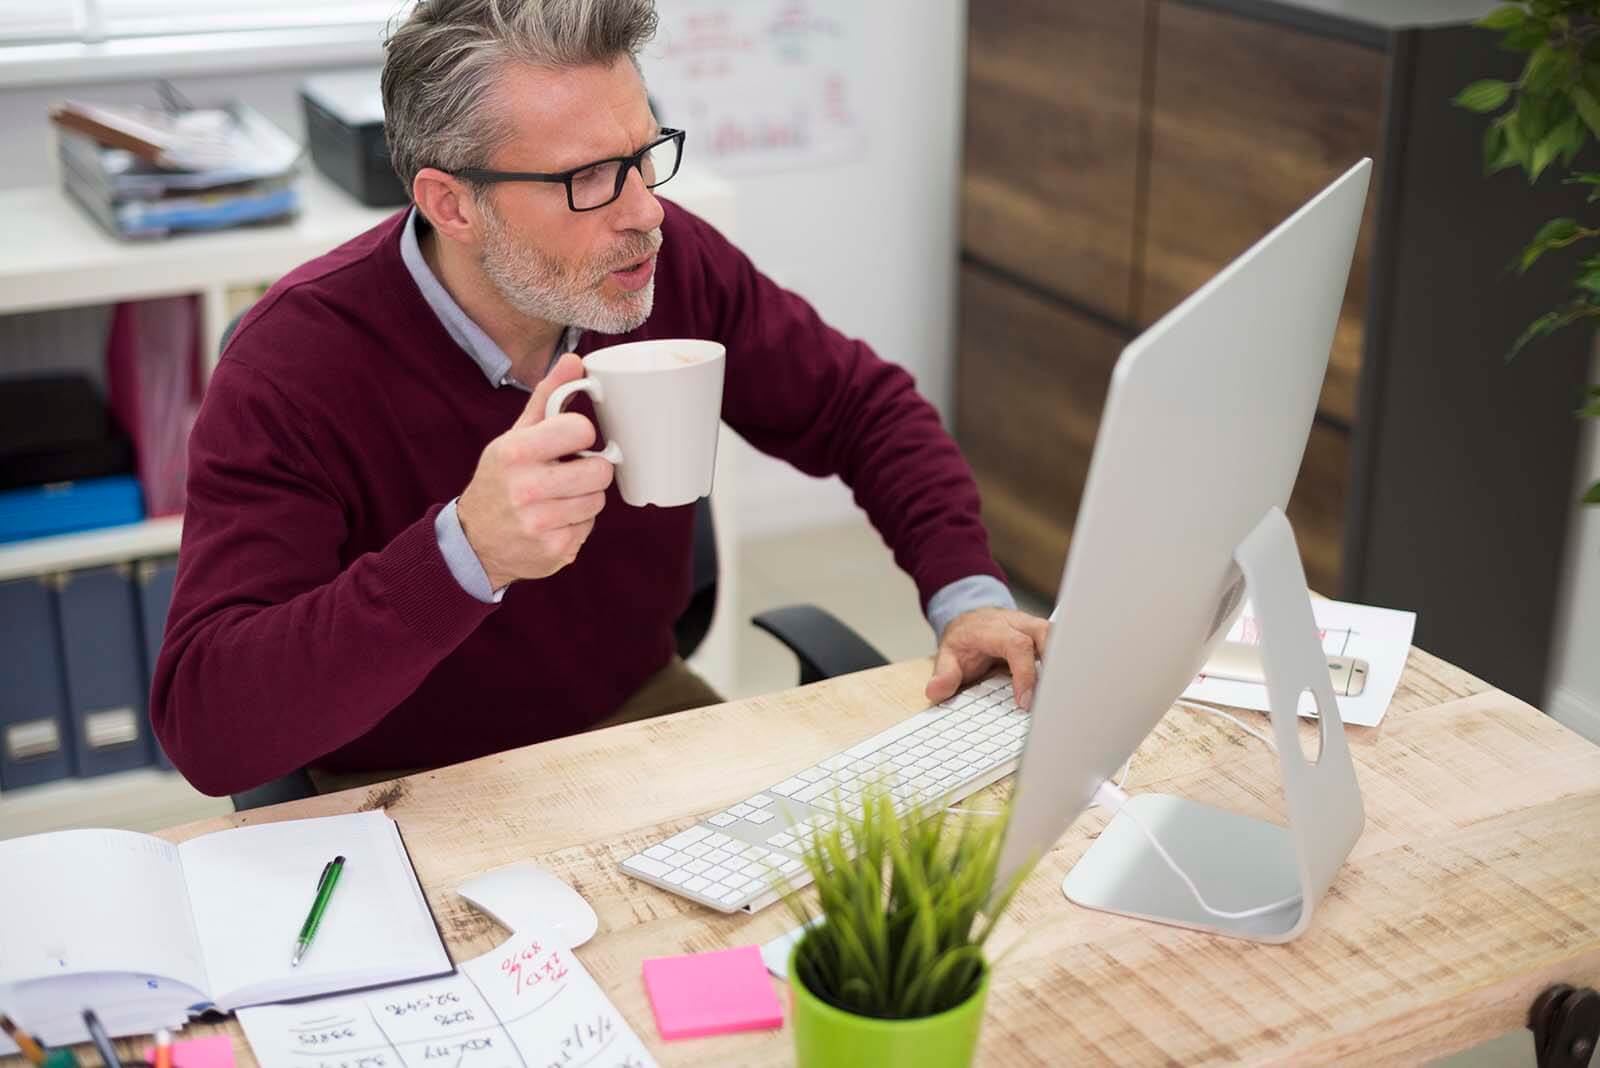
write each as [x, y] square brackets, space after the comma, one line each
[91, 548]
[58, 257]
[144, 799]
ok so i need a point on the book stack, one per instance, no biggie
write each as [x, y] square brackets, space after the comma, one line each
[145, 173]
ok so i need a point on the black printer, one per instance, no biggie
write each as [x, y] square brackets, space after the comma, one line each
[344, 129]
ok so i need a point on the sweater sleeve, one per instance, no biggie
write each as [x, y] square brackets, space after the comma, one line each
[276, 652]
[800, 390]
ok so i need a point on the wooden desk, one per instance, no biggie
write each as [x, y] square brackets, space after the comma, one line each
[1476, 884]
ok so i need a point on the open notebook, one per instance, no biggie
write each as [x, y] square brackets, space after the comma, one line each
[148, 933]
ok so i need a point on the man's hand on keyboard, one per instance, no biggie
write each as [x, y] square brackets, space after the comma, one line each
[977, 640]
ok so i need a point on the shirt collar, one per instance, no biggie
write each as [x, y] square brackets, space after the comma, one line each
[490, 358]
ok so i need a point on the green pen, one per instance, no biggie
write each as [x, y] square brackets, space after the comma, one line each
[308, 930]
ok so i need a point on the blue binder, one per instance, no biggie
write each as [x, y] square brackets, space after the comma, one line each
[105, 671]
[35, 735]
[156, 579]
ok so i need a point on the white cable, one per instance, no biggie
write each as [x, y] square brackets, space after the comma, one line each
[1231, 718]
[1111, 796]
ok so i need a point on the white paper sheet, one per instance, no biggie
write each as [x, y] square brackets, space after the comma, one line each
[527, 1004]
[1380, 636]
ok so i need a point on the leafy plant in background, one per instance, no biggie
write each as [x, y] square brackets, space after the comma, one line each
[903, 919]
[1547, 115]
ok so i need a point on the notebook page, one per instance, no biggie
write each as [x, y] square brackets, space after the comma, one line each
[251, 887]
[96, 901]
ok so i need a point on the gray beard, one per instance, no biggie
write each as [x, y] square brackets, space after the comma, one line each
[542, 287]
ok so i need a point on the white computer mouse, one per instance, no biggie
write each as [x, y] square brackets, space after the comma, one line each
[525, 897]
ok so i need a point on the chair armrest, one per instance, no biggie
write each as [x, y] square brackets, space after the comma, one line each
[292, 787]
[824, 646]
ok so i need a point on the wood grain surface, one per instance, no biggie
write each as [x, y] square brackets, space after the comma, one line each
[1250, 120]
[1476, 882]
[1052, 128]
[1030, 387]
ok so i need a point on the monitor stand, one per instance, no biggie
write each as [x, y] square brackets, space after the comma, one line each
[1240, 862]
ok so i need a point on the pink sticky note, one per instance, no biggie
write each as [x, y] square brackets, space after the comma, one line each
[213, 1051]
[711, 993]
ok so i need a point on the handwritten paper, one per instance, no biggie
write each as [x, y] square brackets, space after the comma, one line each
[1380, 636]
[527, 1004]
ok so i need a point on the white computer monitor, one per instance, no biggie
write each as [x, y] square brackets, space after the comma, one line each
[1202, 435]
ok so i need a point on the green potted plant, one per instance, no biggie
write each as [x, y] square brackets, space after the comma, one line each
[891, 970]
[1549, 115]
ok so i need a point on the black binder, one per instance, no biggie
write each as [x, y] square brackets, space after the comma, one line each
[155, 582]
[35, 734]
[105, 671]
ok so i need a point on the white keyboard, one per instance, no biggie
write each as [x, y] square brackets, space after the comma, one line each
[739, 857]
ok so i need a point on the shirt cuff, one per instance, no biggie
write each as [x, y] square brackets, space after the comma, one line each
[963, 595]
[463, 562]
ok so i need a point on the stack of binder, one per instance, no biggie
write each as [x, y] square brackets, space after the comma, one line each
[79, 650]
[146, 173]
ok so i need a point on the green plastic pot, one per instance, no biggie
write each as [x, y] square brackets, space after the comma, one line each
[829, 1037]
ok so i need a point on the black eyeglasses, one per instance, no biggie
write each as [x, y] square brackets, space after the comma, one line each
[594, 185]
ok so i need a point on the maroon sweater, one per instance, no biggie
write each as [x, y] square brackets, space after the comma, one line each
[315, 620]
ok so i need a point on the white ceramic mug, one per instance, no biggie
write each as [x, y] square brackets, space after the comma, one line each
[659, 404]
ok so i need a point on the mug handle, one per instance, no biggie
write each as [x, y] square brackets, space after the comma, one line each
[591, 386]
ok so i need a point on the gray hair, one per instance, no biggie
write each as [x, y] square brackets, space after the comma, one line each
[441, 64]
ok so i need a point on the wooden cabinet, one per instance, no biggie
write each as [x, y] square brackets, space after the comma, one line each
[1119, 154]
[1248, 121]
[1052, 130]
[1034, 376]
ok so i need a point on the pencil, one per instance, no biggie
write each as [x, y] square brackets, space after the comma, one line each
[163, 1048]
[30, 1049]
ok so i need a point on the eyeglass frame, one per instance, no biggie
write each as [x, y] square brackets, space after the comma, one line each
[635, 162]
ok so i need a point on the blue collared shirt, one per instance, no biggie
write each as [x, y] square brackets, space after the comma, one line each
[962, 595]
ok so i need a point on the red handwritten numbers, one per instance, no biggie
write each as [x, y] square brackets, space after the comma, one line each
[531, 966]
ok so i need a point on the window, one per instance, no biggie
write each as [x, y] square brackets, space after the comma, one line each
[40, 21]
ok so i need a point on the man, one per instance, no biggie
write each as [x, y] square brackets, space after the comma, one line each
[389, 562]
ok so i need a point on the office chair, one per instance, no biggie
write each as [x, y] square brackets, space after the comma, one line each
[823, 645]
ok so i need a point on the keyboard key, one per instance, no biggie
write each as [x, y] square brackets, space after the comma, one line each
[760, 815]
[717, 856]
[716, 840]
[722, 819]
[677, 877]
[733, 897]
[658, 852]
[645, 866]
[741, 810]
[783, 840]
[684, 839]
[759, 801]
[789, 787]
[699, 849]
[834, 763]
[719, 873]
[789, 867]
[753, 852]
[696, 884]
[812, 792]
[697, 867]
[812, 774]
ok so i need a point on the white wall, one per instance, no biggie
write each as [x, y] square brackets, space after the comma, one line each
[1574, 692]
[872, 243]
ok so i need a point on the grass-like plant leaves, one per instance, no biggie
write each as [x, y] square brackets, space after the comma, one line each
[904, 908]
